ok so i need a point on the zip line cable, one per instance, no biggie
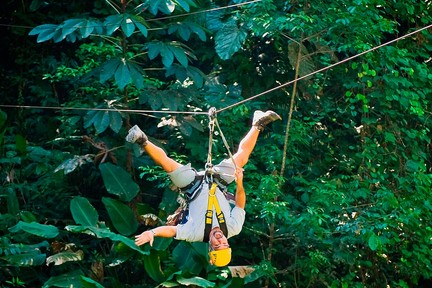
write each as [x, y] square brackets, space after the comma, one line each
[137, 111]
[147, 20]
[325, 68]
[204, 11]
[237, 103]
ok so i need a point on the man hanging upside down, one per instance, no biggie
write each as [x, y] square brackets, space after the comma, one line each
[210, 217]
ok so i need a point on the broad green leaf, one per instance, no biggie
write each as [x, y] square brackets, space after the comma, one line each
[27, 216]
[105, 233]
[185, 29]
[67, 280]
[413, 166]
[113, 22]
[127, 25]
[153, 49]
[87, 27]
[71, 25]
[108, 69]
[3, 118]
[66, 256]
[122, 75]
[374, 242]
[45, 31]
[140, 24]
[121, 216]
[26, 259]
[195, 281]
[98, 118]
[152, 265]
[83, 212]
[136, 75]
[21, 143]
[118, 181]
[167, 55]
[229, 40]
[179, 54]
[164, 6]
[191, 257]
[89, 118]
[58, 34]
[42, 230]
[90, 283]
[12, 201]
[116, 121]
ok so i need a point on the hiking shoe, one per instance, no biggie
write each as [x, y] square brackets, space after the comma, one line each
[261, 119]
[135, 135]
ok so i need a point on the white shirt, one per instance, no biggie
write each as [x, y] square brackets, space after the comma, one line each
[193, 229]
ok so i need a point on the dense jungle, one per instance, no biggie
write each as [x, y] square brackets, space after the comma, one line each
[338, 191]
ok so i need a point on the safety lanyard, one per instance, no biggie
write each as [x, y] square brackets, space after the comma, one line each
[213, 202]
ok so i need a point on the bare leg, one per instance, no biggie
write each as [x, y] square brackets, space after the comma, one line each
[160, 157]
[246, 146]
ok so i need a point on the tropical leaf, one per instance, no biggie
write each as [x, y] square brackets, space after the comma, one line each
[116, 121]
[45, 32]
[118, 182]
[46, 231]
[185, 4]
[67, 280]
[185, 29]
[101, 120]
[140, 23]
[105, 233]
[307, 65]
[168, 51]
[127, 25]
[108, 68]
[113, 22]
[164, 6]
[229, 39]
[152, 266]
[195, 281]
[11, 201]
[90, 283]
[121, 216]
[66, 256]
[191, 257]
[83, 212]
[25, 259]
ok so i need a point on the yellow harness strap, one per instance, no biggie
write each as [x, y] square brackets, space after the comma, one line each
[213, 202]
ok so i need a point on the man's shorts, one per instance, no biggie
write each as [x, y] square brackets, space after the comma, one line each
[184, 176]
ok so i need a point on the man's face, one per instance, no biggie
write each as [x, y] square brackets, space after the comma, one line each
[218, 240]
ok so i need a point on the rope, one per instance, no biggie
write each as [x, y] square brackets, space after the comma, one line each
[325, 68]
[103, 109]
[226, 144]
[147, 20]
[212, 119]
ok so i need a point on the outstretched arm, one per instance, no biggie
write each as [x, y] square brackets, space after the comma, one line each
[162, 231]
[240, 195]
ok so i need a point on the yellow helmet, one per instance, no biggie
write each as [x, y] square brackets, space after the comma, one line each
[221, 257]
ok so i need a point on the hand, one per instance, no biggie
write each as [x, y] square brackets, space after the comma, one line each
[145, 237]
[239, 175]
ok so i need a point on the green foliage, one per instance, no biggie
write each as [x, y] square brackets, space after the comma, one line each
[337, 198]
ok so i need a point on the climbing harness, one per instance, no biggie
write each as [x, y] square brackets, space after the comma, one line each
[210, 176]
[213, 202]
